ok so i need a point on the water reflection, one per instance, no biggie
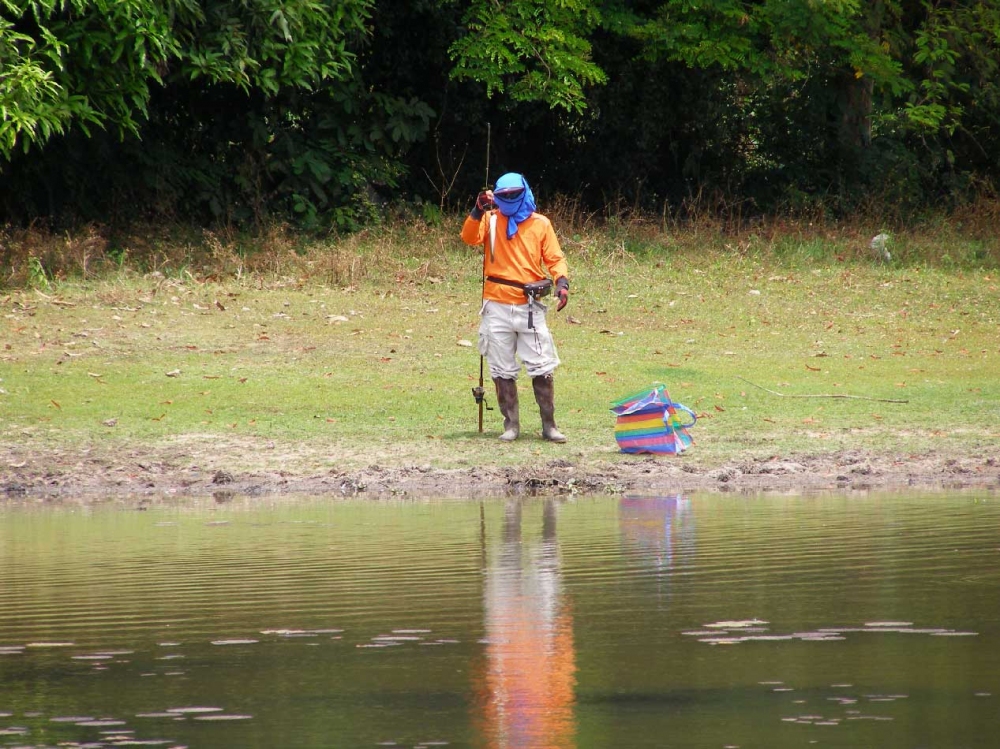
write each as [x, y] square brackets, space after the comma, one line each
[660, 529]
[527, 696]
[783, 623]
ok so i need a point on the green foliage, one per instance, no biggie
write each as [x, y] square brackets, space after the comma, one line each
[533, 50]
[304, 136]
[827, 100]
[93, 62]
[268, 45]
[954, 54]
[700, 36]
[325, 161]
[82, 62]
[333, 111]
[28, 95]
[37, 277]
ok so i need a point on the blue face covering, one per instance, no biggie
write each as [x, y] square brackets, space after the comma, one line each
[518, 209]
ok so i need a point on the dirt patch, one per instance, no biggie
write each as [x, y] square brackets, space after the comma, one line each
[55, 475]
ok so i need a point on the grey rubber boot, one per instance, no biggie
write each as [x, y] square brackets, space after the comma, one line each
[545, 398]
[507, 398]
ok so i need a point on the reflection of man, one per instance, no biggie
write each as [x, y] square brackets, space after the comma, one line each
[527, 692]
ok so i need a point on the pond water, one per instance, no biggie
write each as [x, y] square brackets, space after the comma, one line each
[703, 621]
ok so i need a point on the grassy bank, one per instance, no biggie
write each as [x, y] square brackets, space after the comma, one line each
[341, 355]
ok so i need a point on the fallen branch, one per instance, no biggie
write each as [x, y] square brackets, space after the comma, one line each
[830, 395]
[53, 300]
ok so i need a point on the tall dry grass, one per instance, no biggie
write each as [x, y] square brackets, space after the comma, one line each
[414, 251]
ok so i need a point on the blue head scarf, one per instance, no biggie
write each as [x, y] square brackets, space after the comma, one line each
[520, 208]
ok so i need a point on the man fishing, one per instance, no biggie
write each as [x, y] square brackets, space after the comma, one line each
[521, 249]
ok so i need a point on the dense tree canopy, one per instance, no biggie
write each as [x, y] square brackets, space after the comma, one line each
[329, 114]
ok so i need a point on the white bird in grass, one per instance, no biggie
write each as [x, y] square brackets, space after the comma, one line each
[879, 246]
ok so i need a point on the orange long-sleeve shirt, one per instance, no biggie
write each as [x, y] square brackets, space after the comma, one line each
[524, 258]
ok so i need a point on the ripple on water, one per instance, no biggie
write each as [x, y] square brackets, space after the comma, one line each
[291, 632]
[740, 631]
[736, 624]
[224, 716]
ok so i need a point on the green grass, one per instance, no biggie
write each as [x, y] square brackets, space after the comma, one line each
[267, 372]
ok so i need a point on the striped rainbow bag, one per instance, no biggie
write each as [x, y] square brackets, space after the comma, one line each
[649, 422]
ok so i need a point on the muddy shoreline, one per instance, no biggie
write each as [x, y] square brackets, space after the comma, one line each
[58, 476]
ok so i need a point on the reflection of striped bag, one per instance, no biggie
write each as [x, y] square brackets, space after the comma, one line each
[649, 422]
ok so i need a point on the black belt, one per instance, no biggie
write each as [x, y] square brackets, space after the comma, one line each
[531, 291]
[505, 282]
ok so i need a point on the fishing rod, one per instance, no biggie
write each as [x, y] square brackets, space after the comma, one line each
[479, 393]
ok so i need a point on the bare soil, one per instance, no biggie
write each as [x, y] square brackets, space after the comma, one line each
[201, 470]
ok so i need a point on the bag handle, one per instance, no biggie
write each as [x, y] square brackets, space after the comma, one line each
[685, 409]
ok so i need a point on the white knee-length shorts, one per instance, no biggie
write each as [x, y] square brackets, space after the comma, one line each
[504, 337]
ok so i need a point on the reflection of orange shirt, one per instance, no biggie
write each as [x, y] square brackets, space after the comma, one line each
[531, 680]
[523, 258]
[526, 688]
